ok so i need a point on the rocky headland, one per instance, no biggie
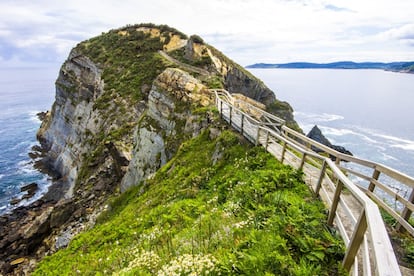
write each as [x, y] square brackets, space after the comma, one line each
[125, 102]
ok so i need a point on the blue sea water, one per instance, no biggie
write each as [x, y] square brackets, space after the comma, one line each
[23, 93]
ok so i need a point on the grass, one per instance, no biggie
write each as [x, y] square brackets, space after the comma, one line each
[219, 207]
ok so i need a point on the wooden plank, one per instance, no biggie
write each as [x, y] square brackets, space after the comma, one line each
[381, 248]
[366, 258]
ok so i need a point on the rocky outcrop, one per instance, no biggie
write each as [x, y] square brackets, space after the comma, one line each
[316, 134]
[166, 123]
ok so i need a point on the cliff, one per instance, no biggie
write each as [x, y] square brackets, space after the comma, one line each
[119, 89]
[125, 103]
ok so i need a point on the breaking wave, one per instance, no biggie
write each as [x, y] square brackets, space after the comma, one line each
[317, 118]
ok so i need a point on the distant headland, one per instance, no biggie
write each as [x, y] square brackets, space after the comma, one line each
[403, 66]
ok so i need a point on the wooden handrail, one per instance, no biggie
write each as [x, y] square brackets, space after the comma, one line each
[378, 169]
[369, 224]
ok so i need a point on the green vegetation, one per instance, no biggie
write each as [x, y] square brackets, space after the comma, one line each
[219, 207]
[129, 60]
[284, 110]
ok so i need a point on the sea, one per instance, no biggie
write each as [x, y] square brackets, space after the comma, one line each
[24, 92]
[369, 112]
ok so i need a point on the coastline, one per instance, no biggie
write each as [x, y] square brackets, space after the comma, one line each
[23, 230]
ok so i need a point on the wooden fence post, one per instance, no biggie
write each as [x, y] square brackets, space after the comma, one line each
[320, 179]
[375, 175]
[335, 201]
[406, 213]
[283, 152]
[355, 242]
[258, 135]
[302, 161]
[230, 111]
[242, 123]
[267, 139]
[221, 108]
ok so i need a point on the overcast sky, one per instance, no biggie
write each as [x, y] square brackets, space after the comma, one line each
[42, 32]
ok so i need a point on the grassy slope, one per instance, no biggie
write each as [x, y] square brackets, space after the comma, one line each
[244, 214]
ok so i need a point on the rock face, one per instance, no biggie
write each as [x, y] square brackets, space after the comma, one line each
[121, 111]
[64, 129]
[165, 123]
[316, 134]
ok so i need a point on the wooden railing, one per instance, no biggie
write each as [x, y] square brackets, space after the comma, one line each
[358, 219]
[366, 175]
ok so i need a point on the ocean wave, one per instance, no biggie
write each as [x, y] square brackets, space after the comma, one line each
[390, 140]
[26, 167]
[33, 116]
[318, 117]
[387, 157]
[337, 131]
[409, 147]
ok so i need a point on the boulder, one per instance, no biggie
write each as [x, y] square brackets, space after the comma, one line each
[30, 188]
[317, 135]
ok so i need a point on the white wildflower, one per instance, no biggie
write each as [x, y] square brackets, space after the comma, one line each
[190, 265]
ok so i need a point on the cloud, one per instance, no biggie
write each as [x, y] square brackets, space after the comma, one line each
[403, 34]
[247, 31]
[336, 8]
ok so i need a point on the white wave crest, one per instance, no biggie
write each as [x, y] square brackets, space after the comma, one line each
[33, 116]
[395, 142]
[26, 167]
[409, 147]
[314, 117]
[337, 131]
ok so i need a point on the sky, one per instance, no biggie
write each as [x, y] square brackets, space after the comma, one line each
[42, 32]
